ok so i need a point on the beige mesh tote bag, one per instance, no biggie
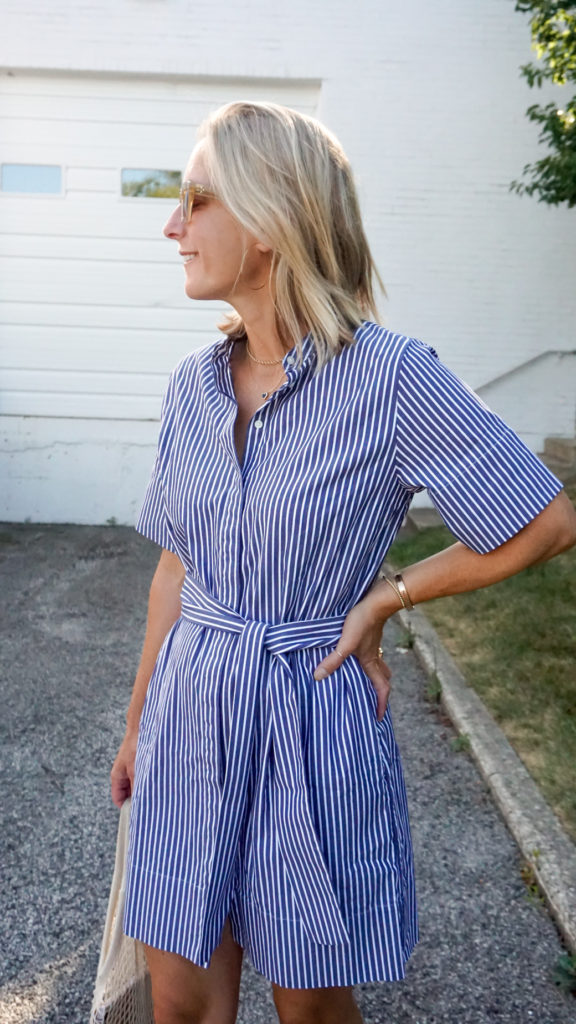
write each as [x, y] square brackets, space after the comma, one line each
[122, 994]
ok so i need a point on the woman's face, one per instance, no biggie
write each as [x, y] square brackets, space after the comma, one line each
[214, 247]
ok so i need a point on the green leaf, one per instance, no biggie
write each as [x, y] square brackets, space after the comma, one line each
[553, 29]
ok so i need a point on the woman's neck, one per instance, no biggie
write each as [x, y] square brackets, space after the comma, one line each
[263, 339]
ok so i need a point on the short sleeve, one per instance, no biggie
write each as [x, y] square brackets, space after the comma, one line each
[485, 482]
[154, 521]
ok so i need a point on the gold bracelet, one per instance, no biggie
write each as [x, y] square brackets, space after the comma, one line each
[395, 589]
[406, 601]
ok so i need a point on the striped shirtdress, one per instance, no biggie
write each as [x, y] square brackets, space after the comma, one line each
[260, 793]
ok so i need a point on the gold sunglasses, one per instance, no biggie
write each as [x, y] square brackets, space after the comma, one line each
[188, 193]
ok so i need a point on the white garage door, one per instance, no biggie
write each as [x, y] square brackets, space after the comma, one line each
[92, 310]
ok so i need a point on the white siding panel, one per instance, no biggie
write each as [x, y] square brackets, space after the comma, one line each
[63, 381]
[186, 111]
[200, 91]
[76, 138]
[47, 246]
[94, 407]
[96, 349]
[172, 155]
[82, 395]
[104, 110]
[114, 282]
[201, 316]
[85, 215]
[92, 179]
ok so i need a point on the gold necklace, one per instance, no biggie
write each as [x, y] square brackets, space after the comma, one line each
[263, 362]
[265, 394]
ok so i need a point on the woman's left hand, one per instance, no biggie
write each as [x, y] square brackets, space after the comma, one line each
[360, 636]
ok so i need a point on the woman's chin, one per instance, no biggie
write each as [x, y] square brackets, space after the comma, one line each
[195, 291]
[198, 289]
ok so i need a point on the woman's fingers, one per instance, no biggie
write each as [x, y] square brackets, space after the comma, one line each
[122, 773]
[387, 669]
[120, 789]
[375, 668]
[329, 664]
[379, 674]
[382, 687]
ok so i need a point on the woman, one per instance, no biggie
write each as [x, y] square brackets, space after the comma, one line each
[268, 809]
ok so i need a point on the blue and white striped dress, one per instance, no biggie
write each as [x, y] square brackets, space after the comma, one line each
[260, 793]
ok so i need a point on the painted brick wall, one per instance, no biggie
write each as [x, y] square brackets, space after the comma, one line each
[427, 99]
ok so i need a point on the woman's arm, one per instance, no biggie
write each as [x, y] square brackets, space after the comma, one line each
[163, 611]
[452, 571]
[458, 568]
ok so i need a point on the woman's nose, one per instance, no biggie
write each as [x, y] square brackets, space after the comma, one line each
[173, 227]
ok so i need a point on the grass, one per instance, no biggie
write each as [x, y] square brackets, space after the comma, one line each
[565, 973]
[516, 644]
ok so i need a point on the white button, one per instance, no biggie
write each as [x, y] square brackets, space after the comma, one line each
[290, 360]
[258, 424]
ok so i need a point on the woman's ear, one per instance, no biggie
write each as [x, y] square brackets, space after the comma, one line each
[263, 247]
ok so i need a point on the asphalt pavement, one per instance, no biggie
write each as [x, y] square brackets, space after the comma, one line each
[72, 613]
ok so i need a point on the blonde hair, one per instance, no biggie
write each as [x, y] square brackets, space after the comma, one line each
[286, 179]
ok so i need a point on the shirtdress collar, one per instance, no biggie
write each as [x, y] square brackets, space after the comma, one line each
[295, 371]
[223, 348]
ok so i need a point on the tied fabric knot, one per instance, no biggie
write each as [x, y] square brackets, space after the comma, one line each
[304, 862]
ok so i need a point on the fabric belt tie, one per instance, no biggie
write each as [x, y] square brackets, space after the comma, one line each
[303, 859]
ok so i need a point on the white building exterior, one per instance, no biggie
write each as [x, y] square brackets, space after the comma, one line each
[428, 102]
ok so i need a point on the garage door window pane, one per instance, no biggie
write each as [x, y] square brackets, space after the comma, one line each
[31, 178]
[151, 184]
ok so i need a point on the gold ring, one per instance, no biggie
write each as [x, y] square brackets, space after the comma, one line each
[380, 652]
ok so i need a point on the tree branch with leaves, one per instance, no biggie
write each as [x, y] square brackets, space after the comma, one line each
[553, 26]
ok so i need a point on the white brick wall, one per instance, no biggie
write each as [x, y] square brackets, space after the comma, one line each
[427, 99]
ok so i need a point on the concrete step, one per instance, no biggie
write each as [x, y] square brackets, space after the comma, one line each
[421, 519]
[567, 474]
[561, 450]
[560, 456]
